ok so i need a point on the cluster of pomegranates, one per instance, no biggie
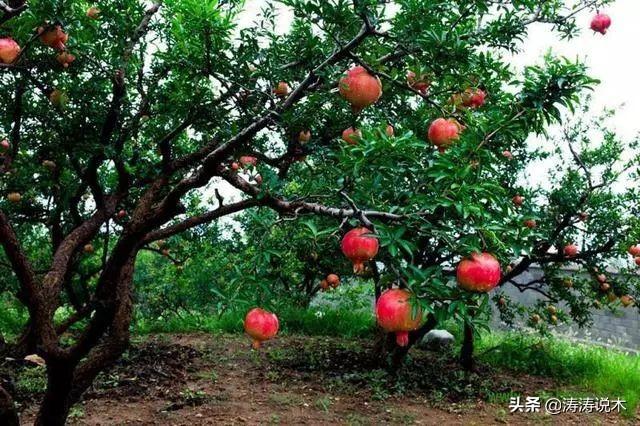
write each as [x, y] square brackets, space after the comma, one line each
[331, 281]
[635, 252]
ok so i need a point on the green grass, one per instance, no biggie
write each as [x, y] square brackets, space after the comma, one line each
[293, 320]
[604, 372]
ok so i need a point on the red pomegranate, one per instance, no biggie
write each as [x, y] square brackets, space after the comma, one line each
[634, 250]
[360, 88]
[4, 144]
[442, 132]
[54, 37]
[9, 50]
[421, 84]
[530, 223]
[473, 98]
[480, 273]
[507, 154]
[282, 89]
[333, 280]
[324, 285]
[518, 200]
[260, 325]
[395, 314]
[637, 260]
[359, 246]
[235, 166]
[65, 59]
[600, 23]
[570, 250]
[248, 160]
[351, 135]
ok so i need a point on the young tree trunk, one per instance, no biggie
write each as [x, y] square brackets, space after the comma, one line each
[55, 405]
[466, 352]
[400, 352]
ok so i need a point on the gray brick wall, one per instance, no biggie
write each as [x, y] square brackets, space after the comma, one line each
[619, 329]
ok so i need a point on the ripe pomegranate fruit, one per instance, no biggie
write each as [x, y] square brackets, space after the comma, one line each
[5, 145]
[248, 160]
[65, 59]
[359, 246]
[637, 260]
[282, 89]
[304, 137]
[507, 154]
[421, 83]
[480, 273]
[626, 300]
[9, 50]
[395, 314]
[324, 285]
[260, 325]
[602, 278]
[235, 166]
[530, 223]
[605, 287]
[634, 250]
[390, 131]
[442, 132]
[600, 23]
[518, 200]
[351, 135]
[88, 248]
[14, 197]
[333, 280]
[473, 98]
[54, 37]
[360, 88]
[570, 250]
[93, 12]
[121, 214]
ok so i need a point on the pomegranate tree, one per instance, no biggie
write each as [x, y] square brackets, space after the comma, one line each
[396, 314]
[360, 88]
[359, 245]
[260, 325]
[479, 273]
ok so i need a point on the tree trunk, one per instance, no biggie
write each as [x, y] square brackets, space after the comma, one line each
[466, 352]
[56, 404]
[400, 352]
[8, 413]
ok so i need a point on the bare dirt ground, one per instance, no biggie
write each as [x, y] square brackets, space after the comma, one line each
[200, 379]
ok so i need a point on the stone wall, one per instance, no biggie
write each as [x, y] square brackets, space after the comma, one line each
[620, 329]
